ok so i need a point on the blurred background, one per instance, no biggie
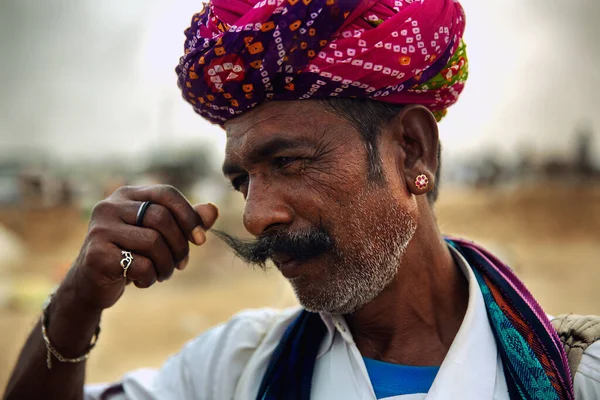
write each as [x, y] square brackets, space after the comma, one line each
[88, 102]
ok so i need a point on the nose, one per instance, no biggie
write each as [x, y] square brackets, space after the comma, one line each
[265, 207]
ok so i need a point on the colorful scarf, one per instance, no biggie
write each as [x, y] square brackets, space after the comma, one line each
[534, 361]
[240, 53]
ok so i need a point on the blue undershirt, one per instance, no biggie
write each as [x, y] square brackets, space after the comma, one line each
[393, 379]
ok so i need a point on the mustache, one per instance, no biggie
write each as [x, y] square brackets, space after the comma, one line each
[299, 245]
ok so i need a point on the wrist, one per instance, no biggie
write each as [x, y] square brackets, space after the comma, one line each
[68, 301]
[70, 323]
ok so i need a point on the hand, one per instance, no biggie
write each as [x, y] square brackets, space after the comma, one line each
[158, 247]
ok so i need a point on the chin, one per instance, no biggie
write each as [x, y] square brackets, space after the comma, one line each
[319, 296]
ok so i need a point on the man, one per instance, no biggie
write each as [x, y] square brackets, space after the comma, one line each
[339, 182]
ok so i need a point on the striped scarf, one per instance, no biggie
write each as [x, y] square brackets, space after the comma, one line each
[534, 361]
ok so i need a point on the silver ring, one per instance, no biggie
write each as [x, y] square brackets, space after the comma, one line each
[126, 262]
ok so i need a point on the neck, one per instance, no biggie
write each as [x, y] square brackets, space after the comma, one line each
[415, 320]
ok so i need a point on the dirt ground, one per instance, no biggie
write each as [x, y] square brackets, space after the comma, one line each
[550, 235]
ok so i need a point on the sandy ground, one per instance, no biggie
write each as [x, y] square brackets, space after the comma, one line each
[549, 235]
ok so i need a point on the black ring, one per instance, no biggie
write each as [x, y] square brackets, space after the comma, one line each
[141, 211]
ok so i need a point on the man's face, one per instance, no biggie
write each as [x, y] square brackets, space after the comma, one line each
[335, 234]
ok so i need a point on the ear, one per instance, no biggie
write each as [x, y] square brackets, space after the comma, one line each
[416, 130]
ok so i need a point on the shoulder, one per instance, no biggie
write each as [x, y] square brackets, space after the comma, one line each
[587, 377]
[207, 367]
[235, 339]
[210, 365]
[580, 336]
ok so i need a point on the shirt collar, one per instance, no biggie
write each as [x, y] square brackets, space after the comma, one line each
[470, 367]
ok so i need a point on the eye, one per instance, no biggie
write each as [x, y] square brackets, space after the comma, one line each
[282, 162]
[238, 181]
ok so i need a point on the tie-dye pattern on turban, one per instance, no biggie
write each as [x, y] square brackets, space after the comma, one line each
[240, 53]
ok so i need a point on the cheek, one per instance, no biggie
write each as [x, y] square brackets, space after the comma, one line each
[326, 189]
[338, 182]
[371, 221]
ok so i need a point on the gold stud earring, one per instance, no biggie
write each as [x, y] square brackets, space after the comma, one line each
[421, 182]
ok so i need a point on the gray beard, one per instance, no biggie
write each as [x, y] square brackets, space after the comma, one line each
[365, 267]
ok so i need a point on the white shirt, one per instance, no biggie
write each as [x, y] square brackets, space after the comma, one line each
[228, 362]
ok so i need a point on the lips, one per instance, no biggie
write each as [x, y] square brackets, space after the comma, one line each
[281, 258]
[288, 266]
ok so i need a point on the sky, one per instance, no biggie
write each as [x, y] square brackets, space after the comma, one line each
[84, 79]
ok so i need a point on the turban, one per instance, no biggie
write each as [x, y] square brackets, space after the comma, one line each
[241, 53]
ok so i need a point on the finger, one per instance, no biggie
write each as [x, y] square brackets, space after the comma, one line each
[181, 265]
[208, 212]
[147, 242]
[188, 219]
[160, 219]
[141, 271]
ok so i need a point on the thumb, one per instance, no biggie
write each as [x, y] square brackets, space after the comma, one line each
[209, 214]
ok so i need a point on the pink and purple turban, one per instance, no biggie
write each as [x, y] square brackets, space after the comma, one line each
[241, 53]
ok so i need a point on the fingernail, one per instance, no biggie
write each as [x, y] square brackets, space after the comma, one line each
[198, 236]
[183, 263]
[215, 206]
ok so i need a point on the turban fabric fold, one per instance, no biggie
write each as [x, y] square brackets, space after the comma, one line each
[240, 53]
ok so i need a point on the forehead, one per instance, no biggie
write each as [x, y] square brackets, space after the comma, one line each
[286, 119]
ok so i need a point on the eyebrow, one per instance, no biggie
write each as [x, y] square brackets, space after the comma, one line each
[267, 149]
